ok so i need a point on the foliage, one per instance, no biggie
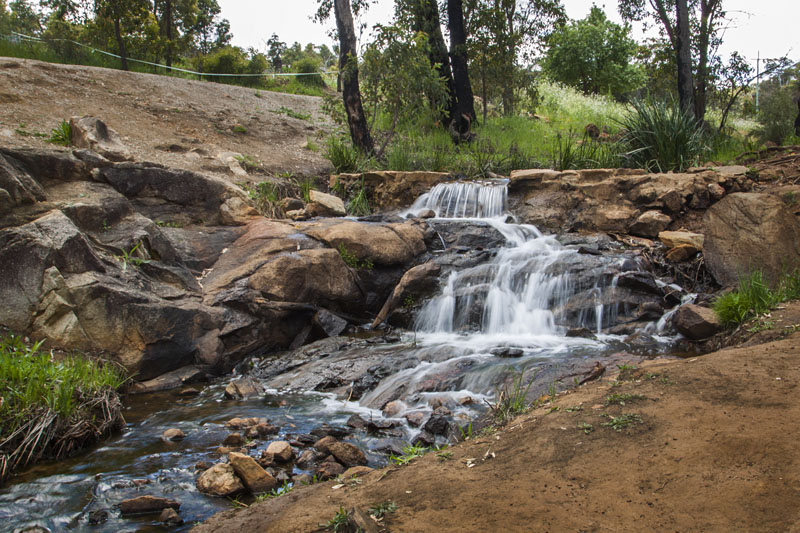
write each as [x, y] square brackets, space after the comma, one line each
[512, 400]
[620, 398]
[410, 452]
[292, 113]
[754, 297]
[776, 114]
[310, 67]
[569, 153]
[352, 260]
[306, 186]
[61, 134]
[132, 257]
[660, 136]
[623, 421]
[593, 54]
[266, 195]
[359, 204]
[339, 523]
[342, 154]
[382, 509]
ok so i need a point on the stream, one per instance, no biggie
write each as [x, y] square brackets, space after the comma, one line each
[543, 307]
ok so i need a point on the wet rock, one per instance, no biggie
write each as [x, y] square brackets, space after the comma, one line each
[696, 322]
[147, 504]
[329, 470]
[202, 465]
[291, 204]
[347, 454]
[394, 408]
[308, 458]
[170, 517]
[356, 471]
[325, 205]
[388, 446]
[381, 425]
[747, 231]
[424, 439]
[388, 189]
[173, 434]
[586, 333]
[171, 380]
[267, 459]
[243, 388]
[219, 480]
[282, 476]
[94, 134]
[322, 445]
[261, 430]
[98, 517]
[426, 213]
[243, 423]
[282, 451]
[589, 251]
[356, 422]
[304, 440]
[328, 324]
[416, 284]
[507, 351]
[437, 425]
[234, 439]
[255, 478]
[415, 418]
[443, 411]
[326, 430]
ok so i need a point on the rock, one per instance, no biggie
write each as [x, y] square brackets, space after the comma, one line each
[329, 470]
[426, 213]
[171, 380]
[681, 253]
[302, 479]
[243, 388]
[234, 439]
[388, 446]
[417, 283]
[97, 517]
[356, 471]
[255, 478]
[673, 239]
[282, 450]
[297, 214]
[170, 517]
[696, 323]
[92, 133]
[437, 425]
[387, 189]
[219, 480]
[322, 445]
[415, 418]
[261, 430]
[650, 224]
[147, 504]
[424, 439]
[173, 434]
[308, 458]
[394, 408]
[17, 187]
[329, 324]
[580, 332]
[326, 205]
[716, 191]
[243, 423]
[291, 204]
[507, 351]
[356, 422]
[750, 231]
[347, 454]
[328, 430]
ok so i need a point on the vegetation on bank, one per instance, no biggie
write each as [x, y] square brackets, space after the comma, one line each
[754, 297]
[51, 406]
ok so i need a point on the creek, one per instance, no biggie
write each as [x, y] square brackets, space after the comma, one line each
[541, 308]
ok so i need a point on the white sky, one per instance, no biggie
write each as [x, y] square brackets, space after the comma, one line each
[768, 26]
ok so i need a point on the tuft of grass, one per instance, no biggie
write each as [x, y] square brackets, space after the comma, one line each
[410, 452]
[382, 509]
[623, 421]
[283, 110]
[286, 488]
[620, 398]
[359, 204]
[132, 257]
[512, 401]
[661, 136]
[754, 297]
[342, 154]
[586, 427]
[339, 523]
[238, 128]
[61, 134]
[248, 162]
[352, 260]
[306, 186]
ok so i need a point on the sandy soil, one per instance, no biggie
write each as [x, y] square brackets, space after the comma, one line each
[172, 121]
[716, 450]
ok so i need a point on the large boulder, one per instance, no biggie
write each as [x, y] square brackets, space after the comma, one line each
[94, 134]
[17, 187]
[415, 284]
[750, 231]
[696, 323]
[255, 478]
[219, 480]
[325, 205]
[649, 224]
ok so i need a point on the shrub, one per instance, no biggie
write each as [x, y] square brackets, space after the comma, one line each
[776, 115]
[310, 68]
[61, 134]
[754, 297]
[342, 154]
[661, 136]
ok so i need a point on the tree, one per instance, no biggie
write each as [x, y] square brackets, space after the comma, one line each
[594, 55]
[506, 33]
[348, 67]
[210, 32]
[464, 107]
[178, 20]
[22, 18]
[701, 28]
[127, 16]
[683, 49]
[275, 50]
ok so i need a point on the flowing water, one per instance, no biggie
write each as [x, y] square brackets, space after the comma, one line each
[525, 299]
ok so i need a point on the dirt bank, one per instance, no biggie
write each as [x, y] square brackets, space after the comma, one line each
[176, 122]
[716, 450]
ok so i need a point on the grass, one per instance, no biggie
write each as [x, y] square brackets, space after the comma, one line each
[306, 186]
[50, 406]
[286, 488]
[352, 260]
[131, 257]
[283, 110]
[619, 398]
[512, 400]
[623, 421]
[410, 452]
[248, 162]
[359, 204]
[754, 297]
[339, 523]
[61, 134]
[382, 509]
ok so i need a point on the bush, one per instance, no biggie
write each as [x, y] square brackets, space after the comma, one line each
[310, 67]
[660, 136]
[776, 115]
[342, 154]
[754, 297]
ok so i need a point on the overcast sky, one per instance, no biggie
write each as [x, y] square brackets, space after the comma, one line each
[768, 26]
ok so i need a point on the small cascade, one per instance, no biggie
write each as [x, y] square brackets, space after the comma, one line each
[464, 200]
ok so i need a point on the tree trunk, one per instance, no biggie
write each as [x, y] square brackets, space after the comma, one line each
[120, 44]
[348, 67]
[508, 99]
[426, 20]
[464, 108]
[168, 29]
[684, 56]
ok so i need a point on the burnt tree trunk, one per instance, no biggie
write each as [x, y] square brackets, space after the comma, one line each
[426, 20]
[684, 56]
[123, 54]
[348, 67]
[463, 112]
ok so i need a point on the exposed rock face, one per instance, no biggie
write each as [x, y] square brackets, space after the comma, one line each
[696, 322]
[219, 480]
[614, 200]
[749, 231]
[94, 134]
[388, 189]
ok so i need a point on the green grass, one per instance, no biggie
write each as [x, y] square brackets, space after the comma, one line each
[352, 260]
[382, 509]
[754, 297]
[44, 398]
[283, 110]
[410, 452]
[512, 400]
[306, 186]
[619, 398]
[61, 134]
[339, 523]
[623, 421]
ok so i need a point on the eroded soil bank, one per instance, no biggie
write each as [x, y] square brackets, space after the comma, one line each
[715, 451]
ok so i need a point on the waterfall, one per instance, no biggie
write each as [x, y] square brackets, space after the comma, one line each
[464, 200]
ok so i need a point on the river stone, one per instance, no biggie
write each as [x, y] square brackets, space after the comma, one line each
[242, 388]
[308, 458]
[94, 134]
[323, 444]
[291, 204]
[234, 439]
[170, 517]
[328, 323]
[424, 439]
[281, 450]
[673, 239]
[147, 504]
[325, 205]
[243, 423]
[394, 408]
[356, 471]
[415, 418]
[255, 478]
[388, 446]
[329, 469]
[649, 224]
[261, 430]
[302, 479]
[347, 454]
[325, 430]
[219, 480]
[173, 434]
[696, 322]
[750, 231]
[436, 425]
[355, 421]
[507, 352]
